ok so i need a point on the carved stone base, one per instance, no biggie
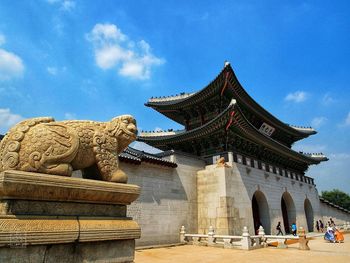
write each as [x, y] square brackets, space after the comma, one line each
[104, 251]
[46, 218]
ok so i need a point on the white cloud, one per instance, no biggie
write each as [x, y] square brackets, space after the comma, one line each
[8, 119]
[103, 34]
[298, 96]
[318, 121]
[108, 57]
[11, 65]
[56, 70]
[2, 39]
[65, 5]
[70, 116]
[327, 99]
[113, 49]
[68, 5]
[347, 120]
[52, 70]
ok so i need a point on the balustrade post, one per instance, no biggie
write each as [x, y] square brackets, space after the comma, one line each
[246, 242]
[211, 239]
[182, 235]
[303, 241]
[261, 233]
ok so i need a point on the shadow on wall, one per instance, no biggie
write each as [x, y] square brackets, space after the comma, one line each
[288, 211]
[309, 214]
[261, 214]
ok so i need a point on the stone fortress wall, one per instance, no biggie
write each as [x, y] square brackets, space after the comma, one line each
[331, 212]
[198, 196]
[226, 193]
[167, 201]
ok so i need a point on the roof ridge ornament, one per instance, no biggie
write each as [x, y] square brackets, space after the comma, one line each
[233, 102]
[226, 64]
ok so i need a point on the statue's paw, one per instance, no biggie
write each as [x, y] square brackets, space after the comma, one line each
[62, 169]
[119, 177]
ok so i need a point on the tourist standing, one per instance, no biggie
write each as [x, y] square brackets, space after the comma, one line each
[321, 226]
[294, 229]
[278, 228]
[317, 226]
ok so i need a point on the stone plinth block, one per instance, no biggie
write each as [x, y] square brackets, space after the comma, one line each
[33, 231]
[62, 219]
[36, 186]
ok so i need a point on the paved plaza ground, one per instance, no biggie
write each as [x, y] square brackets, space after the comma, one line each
[320, 251]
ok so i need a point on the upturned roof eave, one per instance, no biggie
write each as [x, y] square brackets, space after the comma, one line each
[263, 139]
[260, 111]
[253, 134]
[191, 133]
[213, 87]
[194, 96]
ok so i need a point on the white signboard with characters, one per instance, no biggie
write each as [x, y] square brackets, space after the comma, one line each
[266, 129]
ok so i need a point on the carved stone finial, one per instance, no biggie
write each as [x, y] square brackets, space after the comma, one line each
[211, 230]
[245, 231]
[46, 146]
[261, 231]
[221, 162]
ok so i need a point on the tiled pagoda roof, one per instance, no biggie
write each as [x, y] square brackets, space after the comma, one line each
[136, 156]
[240, 125]
[169, 105]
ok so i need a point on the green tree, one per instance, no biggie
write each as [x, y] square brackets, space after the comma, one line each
[337, 197]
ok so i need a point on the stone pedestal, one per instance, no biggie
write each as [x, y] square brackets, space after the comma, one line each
[47, 218]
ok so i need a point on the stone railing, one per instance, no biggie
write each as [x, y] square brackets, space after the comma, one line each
[245, 241]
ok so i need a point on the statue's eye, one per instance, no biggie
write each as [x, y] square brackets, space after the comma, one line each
[125, 121]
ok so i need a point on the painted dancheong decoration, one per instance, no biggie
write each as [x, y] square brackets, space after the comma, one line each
[59, 147]
[222, 117]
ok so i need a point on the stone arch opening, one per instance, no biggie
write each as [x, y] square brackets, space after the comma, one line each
[288, 212]
[309, 214]
[261, 213]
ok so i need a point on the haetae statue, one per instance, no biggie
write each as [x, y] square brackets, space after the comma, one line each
[46, 146]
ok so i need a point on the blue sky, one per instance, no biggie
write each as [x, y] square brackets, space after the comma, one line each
[98, 59]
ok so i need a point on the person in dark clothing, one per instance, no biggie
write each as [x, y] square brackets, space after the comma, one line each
[317, 226]
[321, 226]
[279, 229]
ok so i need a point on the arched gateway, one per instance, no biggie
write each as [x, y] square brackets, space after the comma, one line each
[221, 120]
[261, 213]
[288, 211]
[309, 214]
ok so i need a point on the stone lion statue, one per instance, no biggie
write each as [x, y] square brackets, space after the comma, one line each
[46, 146]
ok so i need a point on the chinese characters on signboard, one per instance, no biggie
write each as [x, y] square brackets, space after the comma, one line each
[266, 129]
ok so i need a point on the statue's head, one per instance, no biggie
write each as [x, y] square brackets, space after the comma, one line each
[124, 129]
